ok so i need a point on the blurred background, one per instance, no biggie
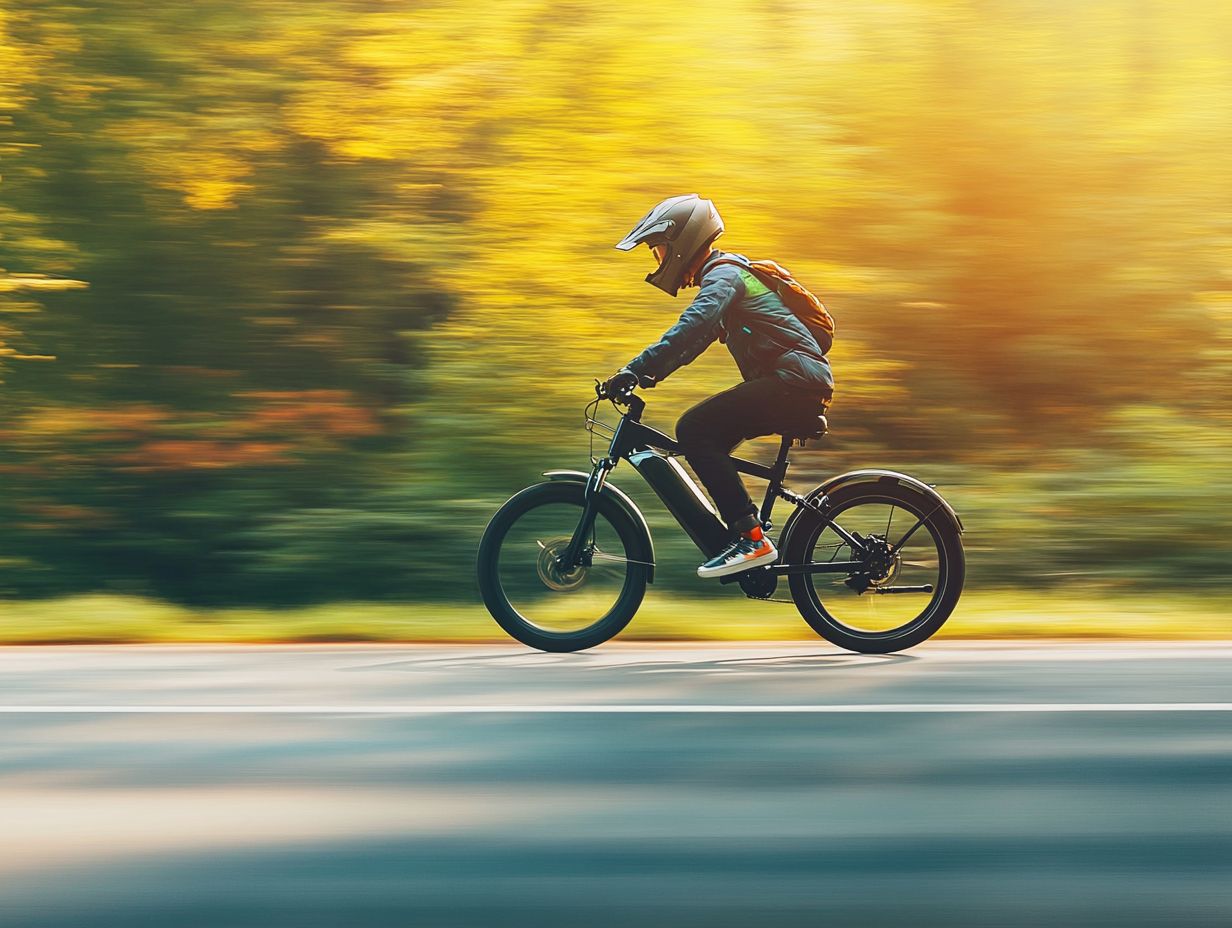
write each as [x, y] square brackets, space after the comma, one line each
[287, 288]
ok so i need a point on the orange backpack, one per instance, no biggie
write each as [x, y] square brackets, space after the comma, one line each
[795, 296]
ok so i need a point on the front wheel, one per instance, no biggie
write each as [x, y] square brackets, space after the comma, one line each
[910, 569]
[541, 603]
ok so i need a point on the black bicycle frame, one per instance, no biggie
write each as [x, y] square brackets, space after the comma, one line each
[640, 445]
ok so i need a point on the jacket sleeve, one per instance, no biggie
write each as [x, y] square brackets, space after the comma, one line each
[696, 330]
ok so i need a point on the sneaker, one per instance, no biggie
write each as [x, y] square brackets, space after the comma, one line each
[741, 554]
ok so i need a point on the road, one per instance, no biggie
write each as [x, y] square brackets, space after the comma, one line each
[990, 784]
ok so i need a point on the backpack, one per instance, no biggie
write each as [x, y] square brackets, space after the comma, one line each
[795, 296]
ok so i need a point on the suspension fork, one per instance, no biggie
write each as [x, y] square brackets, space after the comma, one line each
[571, 557]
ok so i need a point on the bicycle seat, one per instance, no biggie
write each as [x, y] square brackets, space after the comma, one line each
[808, 429]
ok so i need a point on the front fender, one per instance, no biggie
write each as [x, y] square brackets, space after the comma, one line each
[622, 500]
[876, 476]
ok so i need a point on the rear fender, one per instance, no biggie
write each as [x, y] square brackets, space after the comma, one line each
[876, 476]
[622, 500]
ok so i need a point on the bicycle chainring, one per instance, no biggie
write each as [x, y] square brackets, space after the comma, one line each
[759, 583]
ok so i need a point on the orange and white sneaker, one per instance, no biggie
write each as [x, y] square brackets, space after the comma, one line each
[751, 549]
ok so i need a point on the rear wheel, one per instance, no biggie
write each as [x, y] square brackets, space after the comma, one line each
[544, 604]
[910, 574]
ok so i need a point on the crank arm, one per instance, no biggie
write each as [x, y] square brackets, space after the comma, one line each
[923, 588]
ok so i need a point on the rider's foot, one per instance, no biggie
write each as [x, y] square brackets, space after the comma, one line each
[751, 549]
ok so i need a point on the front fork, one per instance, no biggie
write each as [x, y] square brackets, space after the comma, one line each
[579, 551]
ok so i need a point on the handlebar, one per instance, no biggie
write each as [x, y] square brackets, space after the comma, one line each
[619, 397]
[627, 398]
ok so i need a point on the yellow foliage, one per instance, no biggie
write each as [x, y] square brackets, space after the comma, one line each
[11, 283]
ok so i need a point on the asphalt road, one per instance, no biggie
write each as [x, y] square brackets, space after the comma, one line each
[959, 784]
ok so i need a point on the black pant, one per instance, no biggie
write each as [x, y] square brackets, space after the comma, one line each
[710, 431]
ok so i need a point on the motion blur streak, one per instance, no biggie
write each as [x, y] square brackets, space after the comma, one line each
[938, 708]
[288, 286]
[938, 819]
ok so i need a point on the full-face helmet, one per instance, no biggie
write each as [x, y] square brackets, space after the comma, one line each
[677, 231]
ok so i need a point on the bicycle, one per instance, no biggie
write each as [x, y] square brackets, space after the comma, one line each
[564, 564]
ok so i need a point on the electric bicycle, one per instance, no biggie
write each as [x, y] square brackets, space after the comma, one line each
[872, 559]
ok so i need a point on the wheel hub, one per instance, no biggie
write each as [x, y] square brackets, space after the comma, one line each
[549, 568]
[881, 564]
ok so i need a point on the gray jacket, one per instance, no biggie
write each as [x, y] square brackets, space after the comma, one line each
[763, 335]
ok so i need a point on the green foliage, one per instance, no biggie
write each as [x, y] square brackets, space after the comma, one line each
[290, 294]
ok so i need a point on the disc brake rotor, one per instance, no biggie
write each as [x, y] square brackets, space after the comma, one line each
[548, 567]
[881, 565]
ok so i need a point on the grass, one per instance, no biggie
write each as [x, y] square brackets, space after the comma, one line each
[105, 618]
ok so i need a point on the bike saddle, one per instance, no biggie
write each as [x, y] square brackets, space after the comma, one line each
[809, 428]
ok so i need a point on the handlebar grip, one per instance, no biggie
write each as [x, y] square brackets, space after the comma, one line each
[617, 396]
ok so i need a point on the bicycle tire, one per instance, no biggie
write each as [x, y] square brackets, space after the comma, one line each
[522, 628]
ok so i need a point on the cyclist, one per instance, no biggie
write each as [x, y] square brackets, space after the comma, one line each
[787, 378]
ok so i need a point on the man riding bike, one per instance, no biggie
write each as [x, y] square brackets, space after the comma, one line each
[787, 378]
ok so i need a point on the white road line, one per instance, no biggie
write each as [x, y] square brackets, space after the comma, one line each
[621, 709]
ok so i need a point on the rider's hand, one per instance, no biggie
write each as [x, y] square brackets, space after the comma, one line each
[620, 383]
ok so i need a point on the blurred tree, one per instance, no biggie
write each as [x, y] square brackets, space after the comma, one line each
[287, 287]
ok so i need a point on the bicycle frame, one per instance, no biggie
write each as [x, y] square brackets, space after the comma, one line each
[640, 445]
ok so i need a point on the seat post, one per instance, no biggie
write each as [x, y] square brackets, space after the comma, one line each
[778, 472]
[784, 448]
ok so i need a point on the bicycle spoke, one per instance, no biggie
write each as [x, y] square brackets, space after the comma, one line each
[902, 541]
